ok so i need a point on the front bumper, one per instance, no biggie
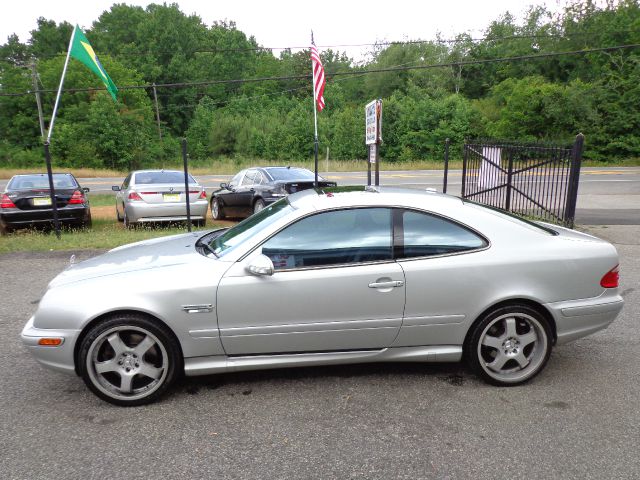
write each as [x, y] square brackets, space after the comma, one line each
[58, 358]
[578, 318]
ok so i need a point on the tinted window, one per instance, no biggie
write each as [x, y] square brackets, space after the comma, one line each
[148, 178]
[426, 235]
[126, 182]
[26, 182]
[330, 238]
[287, 174]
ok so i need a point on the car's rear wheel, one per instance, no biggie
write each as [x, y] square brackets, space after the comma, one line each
[509, 345]
[259, 205]
[129, 360]
[118, 216]
[125, 219]
[217, 212]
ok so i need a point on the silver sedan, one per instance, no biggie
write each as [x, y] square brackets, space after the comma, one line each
[159, 196]
[328, 278]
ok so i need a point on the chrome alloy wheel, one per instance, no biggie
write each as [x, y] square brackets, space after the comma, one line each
[127, 363]
[513, 347]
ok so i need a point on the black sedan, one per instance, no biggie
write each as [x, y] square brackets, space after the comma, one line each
[26, 202]
[254, 188]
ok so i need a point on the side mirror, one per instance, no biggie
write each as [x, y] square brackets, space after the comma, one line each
[115, 188]
[261, 265]
[224, 185]
[86, 190]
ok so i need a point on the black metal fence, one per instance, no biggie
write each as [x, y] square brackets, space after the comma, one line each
[535, 180]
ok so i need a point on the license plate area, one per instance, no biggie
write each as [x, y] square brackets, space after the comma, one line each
[42, 202]
[171, 197]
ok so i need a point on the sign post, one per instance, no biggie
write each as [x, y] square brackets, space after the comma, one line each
[373, 137]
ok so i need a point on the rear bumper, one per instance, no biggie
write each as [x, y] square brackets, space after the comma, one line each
[165, 212]
[578, 318]
[58, 358]
[25, 218]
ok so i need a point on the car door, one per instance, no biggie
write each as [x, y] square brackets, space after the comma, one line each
[335, 287]
[229, 195]
[245, 191]
[444, 264]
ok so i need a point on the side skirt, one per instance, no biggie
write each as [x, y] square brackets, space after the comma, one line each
[221, 363]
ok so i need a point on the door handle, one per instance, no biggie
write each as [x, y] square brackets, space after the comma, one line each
[391, 284]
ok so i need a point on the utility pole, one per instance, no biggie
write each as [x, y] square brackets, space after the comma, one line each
[36, 90]
[155, 98]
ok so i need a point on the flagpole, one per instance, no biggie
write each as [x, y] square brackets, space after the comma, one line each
[64, 72]
[315, 122]
[47, 155]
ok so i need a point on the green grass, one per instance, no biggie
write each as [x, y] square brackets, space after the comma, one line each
[105, 234]
[102, 200]
[228, 166]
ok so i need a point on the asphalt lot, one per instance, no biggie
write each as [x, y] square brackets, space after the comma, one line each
[578, 419]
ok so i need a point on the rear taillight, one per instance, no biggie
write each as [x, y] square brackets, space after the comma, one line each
[203, 195]
[611, 278]
[6, 202]
[77, 198]
[134, 197]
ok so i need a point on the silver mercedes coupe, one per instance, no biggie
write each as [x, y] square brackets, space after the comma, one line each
[321, 278]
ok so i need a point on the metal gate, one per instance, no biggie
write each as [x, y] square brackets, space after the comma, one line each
[536, 180]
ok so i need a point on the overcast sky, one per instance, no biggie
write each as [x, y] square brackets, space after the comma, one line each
[288, 23]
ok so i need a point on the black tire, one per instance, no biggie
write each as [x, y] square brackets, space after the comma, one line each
[118, 217]
[258, 205]
[217, 211]
[87, 223]
[125, 219]
[158, 353]
[509, 345]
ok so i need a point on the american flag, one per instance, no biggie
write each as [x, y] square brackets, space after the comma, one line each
[318, 77]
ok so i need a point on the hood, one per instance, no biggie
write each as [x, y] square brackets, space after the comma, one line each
[145, 255]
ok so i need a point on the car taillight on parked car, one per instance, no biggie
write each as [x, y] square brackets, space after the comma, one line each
[611, 278]
[203, 195]
[77, 198]
[6, 202]
[135, 197]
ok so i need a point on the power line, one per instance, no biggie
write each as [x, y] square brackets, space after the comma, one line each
[349, 73]
[358, 45]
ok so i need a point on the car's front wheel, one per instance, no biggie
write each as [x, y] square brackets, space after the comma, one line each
[259, 205]
[509, 345]
[129, 360]
[217, 212]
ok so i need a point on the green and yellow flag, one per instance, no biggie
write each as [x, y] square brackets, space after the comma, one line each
[81, 50]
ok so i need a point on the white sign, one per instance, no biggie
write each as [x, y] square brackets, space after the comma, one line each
[490, 173]
[372, 115]
[372, 153]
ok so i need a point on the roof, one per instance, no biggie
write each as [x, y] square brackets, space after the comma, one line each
[376, 196]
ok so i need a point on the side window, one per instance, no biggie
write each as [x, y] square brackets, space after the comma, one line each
[333, 238]
[259, 179]
[235, 181]
[249, 178]
[126, 182]
[426, 235]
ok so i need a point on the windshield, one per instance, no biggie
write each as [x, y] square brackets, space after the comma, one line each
[148, 178]
[284, 173]
[41, 181]
[250, 226]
